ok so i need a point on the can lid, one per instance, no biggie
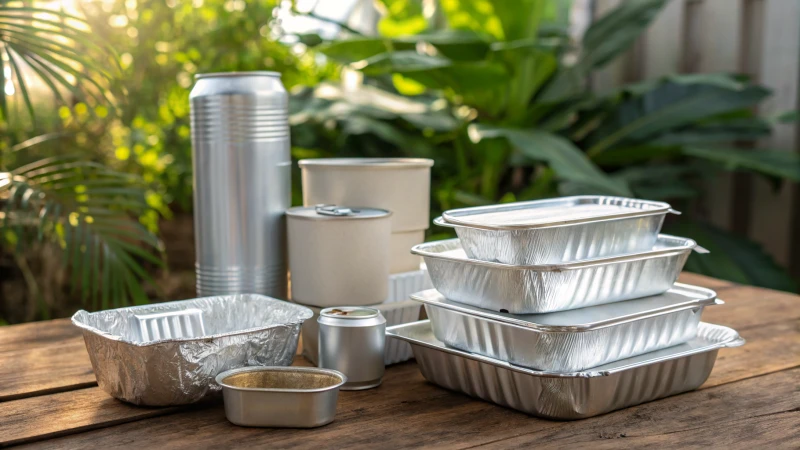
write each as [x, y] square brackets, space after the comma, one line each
[254, 73]
[349, 312]
[334, 212]
[367, 163]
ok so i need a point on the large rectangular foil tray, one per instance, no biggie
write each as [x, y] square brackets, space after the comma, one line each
[570, 341]
[535, 289]
[240, 330]
[557, 230]
[575, 395]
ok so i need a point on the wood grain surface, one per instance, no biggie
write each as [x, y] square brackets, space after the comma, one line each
[751, 400]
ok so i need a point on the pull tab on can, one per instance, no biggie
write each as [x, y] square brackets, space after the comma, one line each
[333, 210]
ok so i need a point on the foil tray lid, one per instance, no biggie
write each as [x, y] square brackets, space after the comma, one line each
[450, 249]
[680, 297]
[709, 337]
[553, 212]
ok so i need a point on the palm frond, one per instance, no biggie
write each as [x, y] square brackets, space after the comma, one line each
[55, 47]
[90, 216]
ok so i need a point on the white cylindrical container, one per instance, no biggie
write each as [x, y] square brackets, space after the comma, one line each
[338, 255]
[400, 185]
[402, 260]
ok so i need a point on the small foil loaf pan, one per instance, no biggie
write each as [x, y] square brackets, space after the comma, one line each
[557, 230]
[535, 289]
[169, 353]
[395, 313]
[570, 341]
[569, 396]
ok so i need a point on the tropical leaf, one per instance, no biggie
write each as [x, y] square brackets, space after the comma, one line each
[669, 106]
[566, 160]
[57, 47]
[613, 33]
[732, 257]
[771, 163]
[86, 209]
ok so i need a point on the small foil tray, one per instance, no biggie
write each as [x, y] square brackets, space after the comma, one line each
[535, 289]
[239, 330]
[557, 230]
[570, 341]
[569, 396]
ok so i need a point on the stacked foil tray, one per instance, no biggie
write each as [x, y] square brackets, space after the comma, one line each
[564, 308]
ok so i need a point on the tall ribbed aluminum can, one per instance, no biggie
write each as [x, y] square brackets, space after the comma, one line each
[242, 182]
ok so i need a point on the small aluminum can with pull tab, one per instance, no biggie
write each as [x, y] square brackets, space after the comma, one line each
[338, 255]
[352, 340]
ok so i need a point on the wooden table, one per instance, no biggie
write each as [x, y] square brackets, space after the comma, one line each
[49, 399]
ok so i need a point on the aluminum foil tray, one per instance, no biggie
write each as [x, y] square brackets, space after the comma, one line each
[557, 287]
[557, 230]
[574, 395]
[395, 313]
[240, 330]
[570, 341]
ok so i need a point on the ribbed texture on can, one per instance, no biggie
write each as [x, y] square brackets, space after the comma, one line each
[242, 164]
[562, 351]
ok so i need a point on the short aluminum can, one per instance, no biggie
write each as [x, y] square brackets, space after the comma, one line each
[352, 341]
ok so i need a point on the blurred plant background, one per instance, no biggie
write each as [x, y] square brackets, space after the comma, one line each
[95, 151]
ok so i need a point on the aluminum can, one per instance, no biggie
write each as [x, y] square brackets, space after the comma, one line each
[242, 182]
[352, 340]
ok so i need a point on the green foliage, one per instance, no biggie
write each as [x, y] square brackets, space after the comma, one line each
[527, 126]
[89, 210]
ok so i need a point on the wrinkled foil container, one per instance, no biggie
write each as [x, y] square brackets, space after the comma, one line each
[575, 395]
[557, 230]
[538, 289]
[395, 313]
[570, 341]
[240, 330]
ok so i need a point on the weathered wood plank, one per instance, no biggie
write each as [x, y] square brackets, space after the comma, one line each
[37, 334]
[45, 369]
[695, 419]
[66, 412]
[663, 54]
[405, 402]
[771, 221]
[418, 414]
[748, 307]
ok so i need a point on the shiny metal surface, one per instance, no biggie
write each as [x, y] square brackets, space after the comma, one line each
[352, 341]
[286, 397]
[575, 395]
[546, 288]
[556, 230]
[395, 313]
[242, 185]
[240, 330]
[570, 341]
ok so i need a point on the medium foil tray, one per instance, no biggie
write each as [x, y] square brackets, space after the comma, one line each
[535, 289]
[569, 396]
[570, 341]
[144, 369]
[557, 230]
